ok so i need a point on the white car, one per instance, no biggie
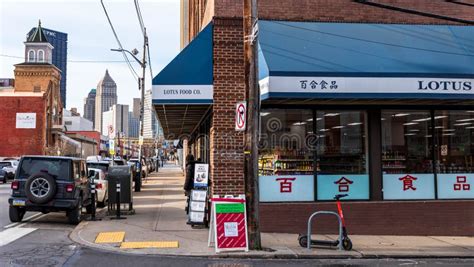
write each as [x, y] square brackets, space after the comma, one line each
[101, 184]
[9, 166]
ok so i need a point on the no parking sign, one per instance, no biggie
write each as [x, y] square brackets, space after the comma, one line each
[240, 116]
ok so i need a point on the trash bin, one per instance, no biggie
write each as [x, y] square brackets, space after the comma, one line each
[122, 175]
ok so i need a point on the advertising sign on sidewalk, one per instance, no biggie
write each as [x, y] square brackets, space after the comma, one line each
[201, 175]
[228, 225]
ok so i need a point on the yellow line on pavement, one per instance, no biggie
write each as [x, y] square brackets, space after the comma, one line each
[150, 244]
[110, 237]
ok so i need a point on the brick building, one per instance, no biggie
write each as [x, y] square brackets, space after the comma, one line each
[364, 92]
[31, 111]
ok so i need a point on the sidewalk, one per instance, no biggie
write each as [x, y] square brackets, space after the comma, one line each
[160, 216]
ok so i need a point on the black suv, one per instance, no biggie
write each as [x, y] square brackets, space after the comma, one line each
[50, 184]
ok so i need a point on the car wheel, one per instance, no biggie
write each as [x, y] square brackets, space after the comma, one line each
[40, 188]
[16, 214]
[4, 179]
[74, 216]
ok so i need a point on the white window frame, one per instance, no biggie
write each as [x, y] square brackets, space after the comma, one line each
[41, 52]
[34, 56]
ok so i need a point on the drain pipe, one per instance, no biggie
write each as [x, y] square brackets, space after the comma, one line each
[415, 12]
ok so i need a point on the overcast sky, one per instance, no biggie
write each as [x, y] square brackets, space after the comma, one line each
[90, 38]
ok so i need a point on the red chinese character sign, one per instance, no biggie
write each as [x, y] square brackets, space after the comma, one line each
[286, 188]
[356, 186]
[456, 186]
[228, 225]
[408, 186]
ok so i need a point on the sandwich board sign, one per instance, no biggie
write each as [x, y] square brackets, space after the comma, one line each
[228, 230]
[201, 175]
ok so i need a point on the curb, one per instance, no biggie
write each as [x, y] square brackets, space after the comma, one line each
[75, 236]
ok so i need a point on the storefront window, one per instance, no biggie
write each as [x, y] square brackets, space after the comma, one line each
[455, 153]
[342, 154]
[407, 160]
[286, 155]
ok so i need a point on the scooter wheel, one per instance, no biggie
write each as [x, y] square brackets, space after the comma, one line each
[303, 240]
[346, 243]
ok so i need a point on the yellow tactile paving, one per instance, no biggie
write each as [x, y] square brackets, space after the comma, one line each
[110, 237]
[150, 244]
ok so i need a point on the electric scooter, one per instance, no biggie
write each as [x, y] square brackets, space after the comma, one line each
[346, 241]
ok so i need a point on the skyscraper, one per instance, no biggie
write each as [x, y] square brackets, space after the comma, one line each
[136, 107]
[59, 42]
[106, 96]
[89, 106]
[115, 121]
[151, 125]
[133, 125]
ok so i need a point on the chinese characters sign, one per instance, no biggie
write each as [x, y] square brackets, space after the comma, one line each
[408, 186]
[355, 185]
[318, 84]
[456, 185]
[286, 188]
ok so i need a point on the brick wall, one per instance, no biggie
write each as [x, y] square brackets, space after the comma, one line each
[374, 218]
[27, 77]
[91, 134]
[18, 142]
[227, 158]
[347, 11]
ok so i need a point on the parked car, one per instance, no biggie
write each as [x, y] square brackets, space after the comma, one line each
[101, 185]
[3, 176]
[102, 165]
[50, 184]
[9, 166]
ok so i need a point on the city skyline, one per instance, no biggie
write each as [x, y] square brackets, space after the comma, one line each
[90, 41]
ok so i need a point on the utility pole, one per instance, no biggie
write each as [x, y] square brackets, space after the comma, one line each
[253, 116]
[141, 87]
[142, 101]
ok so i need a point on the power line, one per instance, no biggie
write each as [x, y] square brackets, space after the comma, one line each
[139, 16]
[75, 61]
[142, 27]
[134, 73]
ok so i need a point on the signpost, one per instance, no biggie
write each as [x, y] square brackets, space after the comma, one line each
[241, 116]
[228, 231]
[112, 147]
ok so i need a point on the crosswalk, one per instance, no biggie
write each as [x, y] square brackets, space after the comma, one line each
[11, 234]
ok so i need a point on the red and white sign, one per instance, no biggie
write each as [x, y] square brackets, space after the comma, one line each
[456, 186]
[241, 116]
[228, 225]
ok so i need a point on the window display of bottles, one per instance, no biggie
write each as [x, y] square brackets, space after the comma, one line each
[284, 164]
[393, 162]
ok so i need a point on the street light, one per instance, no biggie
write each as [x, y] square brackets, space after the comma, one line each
[133, 54]
[141, 87]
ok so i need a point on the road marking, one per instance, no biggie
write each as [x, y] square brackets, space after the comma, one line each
[13, 234]
[110, 237]
[150, 244]
[24, 220]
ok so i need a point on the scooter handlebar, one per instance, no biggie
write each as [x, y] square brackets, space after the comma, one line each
[339, 196]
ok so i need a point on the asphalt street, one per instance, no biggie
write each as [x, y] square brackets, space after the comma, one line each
[43, 240]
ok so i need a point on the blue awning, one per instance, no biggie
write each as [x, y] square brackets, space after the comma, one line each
[347, 60]
[188, 78]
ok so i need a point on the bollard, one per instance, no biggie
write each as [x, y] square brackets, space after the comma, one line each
[118, 215]
[93, 196]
